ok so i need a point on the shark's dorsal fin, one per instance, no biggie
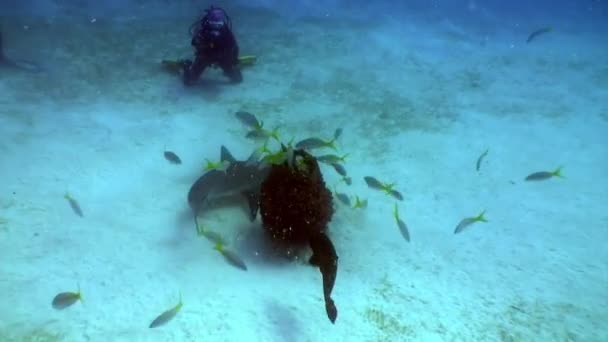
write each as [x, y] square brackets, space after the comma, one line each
[225, 155]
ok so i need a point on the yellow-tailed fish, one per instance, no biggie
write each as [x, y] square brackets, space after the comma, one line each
[168, 315]
[66, 299]
[231, 256]
[402, 226]
[468, 221]
[74, 204]
[543, 175]
[374, 183]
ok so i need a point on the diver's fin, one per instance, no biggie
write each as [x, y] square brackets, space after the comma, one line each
[253, 202]
[324, 255]
[225, 155]
[247, 60]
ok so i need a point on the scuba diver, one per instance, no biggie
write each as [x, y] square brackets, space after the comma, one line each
[215, 45]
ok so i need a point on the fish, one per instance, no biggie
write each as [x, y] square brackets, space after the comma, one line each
[239, 178]
[19, 64]
[373, 183]
[331, 158]
[387, 188]
[347, 180]
[480, 159]
[339, 169]
[74, 204]
[325, 257]
[248, 120]
[468, 221]
[172, 157]
[343, 198]
[402, 226]
[66, 299]
[314, 143]
[396, 194]
[537, 33]
[230, 256]
[543, 175]
[168, 315]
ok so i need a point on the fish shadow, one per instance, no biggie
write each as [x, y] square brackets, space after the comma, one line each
[284, 321]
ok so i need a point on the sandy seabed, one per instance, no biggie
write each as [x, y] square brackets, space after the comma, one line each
[418, 103]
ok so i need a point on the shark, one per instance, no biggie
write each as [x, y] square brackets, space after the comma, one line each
[17, 64]
[238, 178]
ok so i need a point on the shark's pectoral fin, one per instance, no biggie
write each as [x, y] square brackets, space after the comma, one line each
[324, 256]
[253, 202]
[225, 155]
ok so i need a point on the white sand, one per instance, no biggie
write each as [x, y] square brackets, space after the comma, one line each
[418, 102]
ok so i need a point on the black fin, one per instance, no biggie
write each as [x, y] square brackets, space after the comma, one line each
[225, 155]
[253, 202]
[324, 254]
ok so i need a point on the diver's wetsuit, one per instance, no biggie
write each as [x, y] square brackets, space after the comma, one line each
[214, 45]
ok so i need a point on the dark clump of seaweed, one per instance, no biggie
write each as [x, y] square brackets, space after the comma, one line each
[295, 204]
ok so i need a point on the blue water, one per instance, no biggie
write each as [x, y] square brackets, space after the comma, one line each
[420, 90]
